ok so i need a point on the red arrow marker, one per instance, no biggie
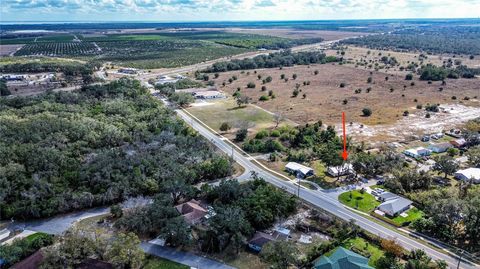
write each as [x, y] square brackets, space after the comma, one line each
[345, 153]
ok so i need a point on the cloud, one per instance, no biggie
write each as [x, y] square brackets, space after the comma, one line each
[265, 3]
[190, 10]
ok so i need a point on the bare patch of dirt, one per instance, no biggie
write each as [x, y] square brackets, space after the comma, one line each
[416, 124]
[9, 50]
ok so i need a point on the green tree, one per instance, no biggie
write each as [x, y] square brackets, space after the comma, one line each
[225, 126]
[229, 226]
[241, 134]
[280, 254]
[116, 211]
[125, 251]
[367, 112]
[445, 164]
[473, 155]
[181, 98]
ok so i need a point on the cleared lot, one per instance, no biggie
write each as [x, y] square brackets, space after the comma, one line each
[325, 99]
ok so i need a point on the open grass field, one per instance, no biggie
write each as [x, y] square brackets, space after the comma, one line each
[214, 113]
[325, 98]
[364, 202]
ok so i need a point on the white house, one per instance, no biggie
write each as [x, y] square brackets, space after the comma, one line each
[417, 152]
[299, 170]
[468, 174]
[336, 171]
[396, 206]
[440, 147]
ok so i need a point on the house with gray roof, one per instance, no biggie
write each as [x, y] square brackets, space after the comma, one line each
[387, 196]
[342, 259]
[395, 207]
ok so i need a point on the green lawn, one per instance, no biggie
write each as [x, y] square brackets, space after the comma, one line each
[364, 202]
[319, 168]
[413, 214]
[159, 263]
[34, 236]
[359, 244]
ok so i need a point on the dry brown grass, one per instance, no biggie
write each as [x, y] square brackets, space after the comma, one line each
[324, 97]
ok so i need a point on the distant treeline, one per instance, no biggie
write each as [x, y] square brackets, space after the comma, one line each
[454, 40]
[279, 59]
[70, 68]
[272, 45]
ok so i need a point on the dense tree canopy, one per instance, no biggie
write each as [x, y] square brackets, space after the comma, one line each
[99, 145]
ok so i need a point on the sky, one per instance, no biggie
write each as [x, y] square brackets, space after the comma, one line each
[228, 10]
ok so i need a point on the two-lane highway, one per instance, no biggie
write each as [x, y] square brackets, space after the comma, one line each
[317, 198]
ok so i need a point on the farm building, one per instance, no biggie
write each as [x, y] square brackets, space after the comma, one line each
[299, 170]
[192, 211]
[345, 169]
[259, 240]
[342, 259]
[395, 206]
[130, 71]
[468, 174]
[440, 147]
[417, 152]
[208, 95]
[458, 143]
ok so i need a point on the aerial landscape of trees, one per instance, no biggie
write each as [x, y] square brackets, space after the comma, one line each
[96, 146]
[277, 59]
[431, 39]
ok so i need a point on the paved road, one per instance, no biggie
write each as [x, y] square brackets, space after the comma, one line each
[186, 258]
[59, 224]
[318, 198]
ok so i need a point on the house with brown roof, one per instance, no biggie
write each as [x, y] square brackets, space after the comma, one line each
[458, 143]
[31, 262]
[192, 211]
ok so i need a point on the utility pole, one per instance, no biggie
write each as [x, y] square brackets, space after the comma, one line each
[298, 183]
[460, 259]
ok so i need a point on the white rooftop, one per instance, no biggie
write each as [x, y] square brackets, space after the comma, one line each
[470, 173]
[298, 167]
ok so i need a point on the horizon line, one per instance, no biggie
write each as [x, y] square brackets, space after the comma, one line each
[220, 21]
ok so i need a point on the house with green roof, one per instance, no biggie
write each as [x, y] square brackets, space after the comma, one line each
[342, 259]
